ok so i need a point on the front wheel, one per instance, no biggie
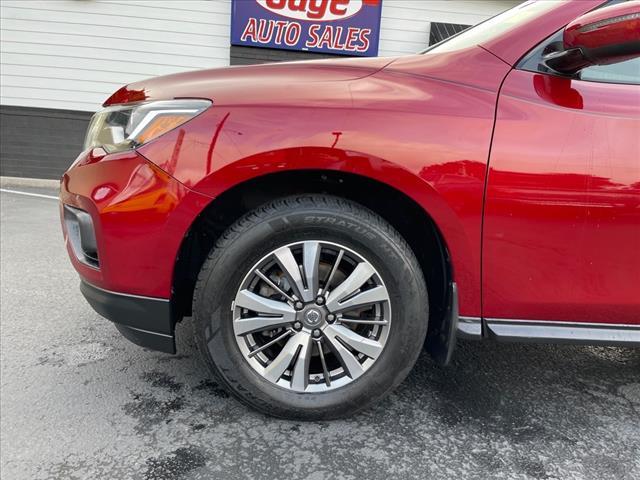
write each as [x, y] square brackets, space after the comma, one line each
[311, 307]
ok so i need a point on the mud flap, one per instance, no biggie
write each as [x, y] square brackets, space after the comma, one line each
[441, 337]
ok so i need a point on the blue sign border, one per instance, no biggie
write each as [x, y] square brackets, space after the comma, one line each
[338, 37]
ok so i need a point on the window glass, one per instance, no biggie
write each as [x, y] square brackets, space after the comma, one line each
[623, 72]
[495, 26]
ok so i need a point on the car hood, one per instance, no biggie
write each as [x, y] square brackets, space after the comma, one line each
[250, 84]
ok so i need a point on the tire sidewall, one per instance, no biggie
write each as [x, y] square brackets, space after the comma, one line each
[230, 262]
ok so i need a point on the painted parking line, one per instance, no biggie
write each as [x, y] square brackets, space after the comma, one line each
[29, 194]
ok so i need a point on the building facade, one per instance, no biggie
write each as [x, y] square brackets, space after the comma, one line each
[60, 59]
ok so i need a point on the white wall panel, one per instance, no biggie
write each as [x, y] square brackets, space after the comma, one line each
[73, 54]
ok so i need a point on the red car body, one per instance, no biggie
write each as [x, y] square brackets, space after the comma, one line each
[532, 180]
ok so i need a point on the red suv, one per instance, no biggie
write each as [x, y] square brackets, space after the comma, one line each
[320, 221]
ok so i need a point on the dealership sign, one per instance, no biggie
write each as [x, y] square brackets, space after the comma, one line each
[345, 27]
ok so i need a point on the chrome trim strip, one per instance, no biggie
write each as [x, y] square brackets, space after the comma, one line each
[542, 331]
[470, 328]
[147, 331]
[129, 295]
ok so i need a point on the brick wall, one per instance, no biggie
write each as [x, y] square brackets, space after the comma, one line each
[39, 142]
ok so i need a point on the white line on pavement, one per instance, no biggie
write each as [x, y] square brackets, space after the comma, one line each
[28, 194]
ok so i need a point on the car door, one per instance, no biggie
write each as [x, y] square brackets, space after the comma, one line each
[561, 236]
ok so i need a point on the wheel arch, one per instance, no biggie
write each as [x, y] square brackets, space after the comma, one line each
[415, 224]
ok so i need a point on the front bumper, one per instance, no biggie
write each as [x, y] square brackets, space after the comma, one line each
[144, 321]
[124, 220]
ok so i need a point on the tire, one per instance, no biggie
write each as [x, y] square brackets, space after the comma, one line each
[329, 225]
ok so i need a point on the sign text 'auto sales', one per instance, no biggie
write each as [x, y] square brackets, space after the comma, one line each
[346, 27]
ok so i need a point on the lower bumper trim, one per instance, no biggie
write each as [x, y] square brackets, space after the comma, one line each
[144, 338]
[145, 321]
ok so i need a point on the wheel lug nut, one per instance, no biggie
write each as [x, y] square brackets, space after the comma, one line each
[320, 300]
[298, 305]
[331, 318]
[297, 326]
[317, 333]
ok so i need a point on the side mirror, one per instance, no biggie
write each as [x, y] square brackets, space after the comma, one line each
[601, 37]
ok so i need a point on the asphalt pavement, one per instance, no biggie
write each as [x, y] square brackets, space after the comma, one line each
[78, 401]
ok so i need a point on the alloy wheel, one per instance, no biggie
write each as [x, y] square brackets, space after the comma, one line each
[312, 316]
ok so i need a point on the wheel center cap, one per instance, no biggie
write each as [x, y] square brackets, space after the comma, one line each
[312, 318]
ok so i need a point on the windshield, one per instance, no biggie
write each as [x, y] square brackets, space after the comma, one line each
[495, 26]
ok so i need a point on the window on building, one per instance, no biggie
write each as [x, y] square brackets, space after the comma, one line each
[442, 31]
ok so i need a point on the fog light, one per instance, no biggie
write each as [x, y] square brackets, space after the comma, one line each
[81, 235]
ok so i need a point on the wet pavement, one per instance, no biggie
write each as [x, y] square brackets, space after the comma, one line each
[78, 401]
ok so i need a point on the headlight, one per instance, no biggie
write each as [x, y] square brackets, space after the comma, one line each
[123, 127]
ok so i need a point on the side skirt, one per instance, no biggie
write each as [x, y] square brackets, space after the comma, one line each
[542, 331]
[563, 332]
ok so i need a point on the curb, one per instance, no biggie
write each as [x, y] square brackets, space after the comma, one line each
[29, 182]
